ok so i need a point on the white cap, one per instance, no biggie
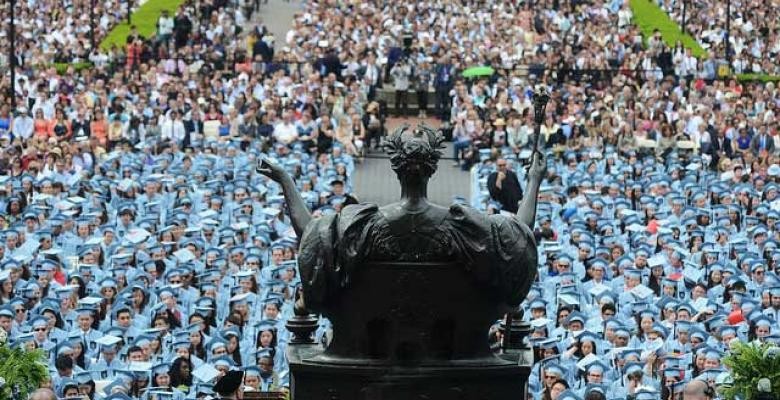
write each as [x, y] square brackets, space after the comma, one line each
[774, 170]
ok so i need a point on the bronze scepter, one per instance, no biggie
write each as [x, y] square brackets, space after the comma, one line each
[540, 104]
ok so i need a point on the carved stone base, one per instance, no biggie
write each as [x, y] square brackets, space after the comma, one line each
[316, 377]
[302, 328]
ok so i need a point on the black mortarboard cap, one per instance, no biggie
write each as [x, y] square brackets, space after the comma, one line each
[229, 383]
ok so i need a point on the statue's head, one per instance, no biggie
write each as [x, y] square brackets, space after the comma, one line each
[415, 153]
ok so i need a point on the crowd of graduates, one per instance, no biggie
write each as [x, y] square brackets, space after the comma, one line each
[161, 270]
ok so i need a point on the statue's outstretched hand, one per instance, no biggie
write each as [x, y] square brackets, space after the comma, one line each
[538, 166]
[271, 170]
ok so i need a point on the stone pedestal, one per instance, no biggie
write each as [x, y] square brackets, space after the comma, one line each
[407, 331]
[315, 377]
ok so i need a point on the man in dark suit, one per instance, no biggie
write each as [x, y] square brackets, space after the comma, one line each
[762, 144]
[192, 126]
[504, 187]
[262, 47]
[182, 27]
[721, 147]
[443, 82]
[332, 63]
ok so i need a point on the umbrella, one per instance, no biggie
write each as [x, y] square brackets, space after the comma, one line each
[478, 71]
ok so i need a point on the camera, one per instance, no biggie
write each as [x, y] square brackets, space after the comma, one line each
[407, 40]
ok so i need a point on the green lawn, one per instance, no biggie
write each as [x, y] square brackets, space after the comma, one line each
[62, 67]
[758, 78]
[145, 19]
[648, 17]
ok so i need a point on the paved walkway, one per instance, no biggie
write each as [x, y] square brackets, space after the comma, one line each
[374, 181]
[277, 16]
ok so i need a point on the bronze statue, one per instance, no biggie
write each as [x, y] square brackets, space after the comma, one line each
[411, 284]
[498, 250]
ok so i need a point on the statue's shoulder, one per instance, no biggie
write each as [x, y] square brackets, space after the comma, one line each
[464, 214]
[358, 209]
[460, 212]
[356, 215]
[348, 219]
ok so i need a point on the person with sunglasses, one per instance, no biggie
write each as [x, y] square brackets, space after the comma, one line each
[40, 330]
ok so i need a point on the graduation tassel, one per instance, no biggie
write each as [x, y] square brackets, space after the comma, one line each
[653, 370]
[541, 376]
[622, 377]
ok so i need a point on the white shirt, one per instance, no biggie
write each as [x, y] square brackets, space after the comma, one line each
[172, 129]
[401, 75]
[372, 73]
[285, 132]
[23, 126]
[165, 26]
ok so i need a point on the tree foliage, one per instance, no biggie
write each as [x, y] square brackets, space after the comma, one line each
[21, 369]
[748, 363]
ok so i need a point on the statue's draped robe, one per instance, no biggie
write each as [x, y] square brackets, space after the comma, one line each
[498, 251]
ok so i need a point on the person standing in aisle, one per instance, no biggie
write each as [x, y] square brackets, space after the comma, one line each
[443, 85]
[423, 78]
[401, 73]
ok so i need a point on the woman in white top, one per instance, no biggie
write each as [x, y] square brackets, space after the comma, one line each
[345, 136]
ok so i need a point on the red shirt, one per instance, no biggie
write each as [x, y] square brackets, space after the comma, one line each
[26, 159]
[60, 277]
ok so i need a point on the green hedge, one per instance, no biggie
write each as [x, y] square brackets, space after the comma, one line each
[648, 17]
[144, 18]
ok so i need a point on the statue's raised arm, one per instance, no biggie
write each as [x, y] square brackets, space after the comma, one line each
[299, 213]
[526, 210]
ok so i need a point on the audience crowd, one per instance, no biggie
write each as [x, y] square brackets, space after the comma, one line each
[145, 254]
